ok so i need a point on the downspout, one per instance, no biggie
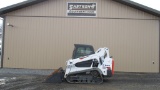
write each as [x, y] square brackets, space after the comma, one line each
[2, 47]
[159, 45]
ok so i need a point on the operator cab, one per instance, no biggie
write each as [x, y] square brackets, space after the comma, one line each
[81, 50]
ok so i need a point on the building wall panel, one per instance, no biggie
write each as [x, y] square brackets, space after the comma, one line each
[106, 9]
[47, 42]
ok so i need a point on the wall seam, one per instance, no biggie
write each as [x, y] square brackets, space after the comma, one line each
[81, 17]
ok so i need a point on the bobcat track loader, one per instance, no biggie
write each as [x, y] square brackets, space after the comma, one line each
[86, 66]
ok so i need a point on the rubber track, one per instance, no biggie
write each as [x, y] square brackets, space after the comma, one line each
[94, 82]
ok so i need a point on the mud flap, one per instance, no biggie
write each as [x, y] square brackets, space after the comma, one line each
[56, 77]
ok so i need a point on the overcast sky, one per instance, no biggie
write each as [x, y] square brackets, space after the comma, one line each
[150, 3]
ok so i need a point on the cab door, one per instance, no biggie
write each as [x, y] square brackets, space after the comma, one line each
[82, 50]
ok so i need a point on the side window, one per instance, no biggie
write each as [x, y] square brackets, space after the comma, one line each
[88, 51]
[83, 51]
[80, 52]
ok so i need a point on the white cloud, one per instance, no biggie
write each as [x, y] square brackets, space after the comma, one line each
[4, 3]
[155, 4]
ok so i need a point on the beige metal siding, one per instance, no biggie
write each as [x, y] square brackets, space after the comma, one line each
[106, 8]
[47, 42]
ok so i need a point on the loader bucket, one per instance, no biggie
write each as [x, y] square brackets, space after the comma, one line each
[56, 77]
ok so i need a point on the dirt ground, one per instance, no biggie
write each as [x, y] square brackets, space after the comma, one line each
[120, 81]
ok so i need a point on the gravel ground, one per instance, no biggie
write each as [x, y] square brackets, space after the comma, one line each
[23, 79]
[25, 71]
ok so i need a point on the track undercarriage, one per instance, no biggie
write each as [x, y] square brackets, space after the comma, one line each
[85, 77]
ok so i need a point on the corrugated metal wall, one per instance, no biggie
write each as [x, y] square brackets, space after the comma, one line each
[105, 8]
[47, 42]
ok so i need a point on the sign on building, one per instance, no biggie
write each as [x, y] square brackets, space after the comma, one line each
[82, 9]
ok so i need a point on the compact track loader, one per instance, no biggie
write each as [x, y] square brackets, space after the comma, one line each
[86, 66]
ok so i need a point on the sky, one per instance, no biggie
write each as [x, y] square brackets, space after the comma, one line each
[4, 3]
[155, 4]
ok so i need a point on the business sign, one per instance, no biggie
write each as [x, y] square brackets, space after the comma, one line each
[82, 9]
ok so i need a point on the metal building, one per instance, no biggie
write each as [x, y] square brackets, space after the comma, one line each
[40, 34]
